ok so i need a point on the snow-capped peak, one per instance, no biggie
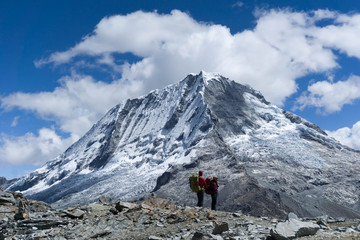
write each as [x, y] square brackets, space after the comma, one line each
[207, 76]
[153, 143]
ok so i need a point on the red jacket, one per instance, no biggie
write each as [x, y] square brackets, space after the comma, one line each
[201, 182]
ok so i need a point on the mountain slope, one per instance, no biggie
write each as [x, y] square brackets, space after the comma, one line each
[268, 161]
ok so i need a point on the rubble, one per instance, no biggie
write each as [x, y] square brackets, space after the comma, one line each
[155, 218]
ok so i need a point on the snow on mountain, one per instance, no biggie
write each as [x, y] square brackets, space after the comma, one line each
[269, 161]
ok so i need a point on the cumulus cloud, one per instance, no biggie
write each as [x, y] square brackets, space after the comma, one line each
[74, 106]
[330, 97]
[31, 148]
[283, 47]
[342, 35]
[348, 136]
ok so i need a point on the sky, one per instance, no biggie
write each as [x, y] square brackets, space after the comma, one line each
[64, 64]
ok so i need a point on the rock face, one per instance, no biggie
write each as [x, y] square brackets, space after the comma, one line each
[4, 183]
[154, 218]
[269, 162]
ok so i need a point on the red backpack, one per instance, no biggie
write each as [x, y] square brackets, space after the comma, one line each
[208, 187]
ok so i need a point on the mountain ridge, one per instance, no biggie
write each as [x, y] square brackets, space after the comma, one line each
[269, 161]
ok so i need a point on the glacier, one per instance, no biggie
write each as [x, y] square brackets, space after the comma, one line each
[268, 161]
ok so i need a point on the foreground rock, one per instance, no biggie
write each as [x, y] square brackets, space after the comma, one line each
[155, 218]
[294, 228]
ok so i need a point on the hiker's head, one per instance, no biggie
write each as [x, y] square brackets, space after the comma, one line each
[215, 178]
[200, 173]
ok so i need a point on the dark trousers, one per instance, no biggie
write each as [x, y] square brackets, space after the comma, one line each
[213, 201]
[200, 196]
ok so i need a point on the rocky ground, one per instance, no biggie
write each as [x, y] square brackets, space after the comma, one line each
[156, 218]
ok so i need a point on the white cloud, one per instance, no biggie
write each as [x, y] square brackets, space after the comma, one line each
[348, 136]
[32, 149]
[76, 104]
[292, 35]
[15, 121]
[330, 97]
[343, 35]
[238, 4]
[283, 47]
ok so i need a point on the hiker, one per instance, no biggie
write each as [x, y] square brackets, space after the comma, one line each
[213, 190]
[202, 184]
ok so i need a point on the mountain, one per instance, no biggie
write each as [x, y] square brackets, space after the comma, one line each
[4, 183]
[268, 161]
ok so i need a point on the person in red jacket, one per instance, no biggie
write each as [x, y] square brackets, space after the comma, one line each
[213, 190]
[200, 194]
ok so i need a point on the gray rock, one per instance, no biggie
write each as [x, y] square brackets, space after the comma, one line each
[75, 213]
[340, 219]
[6, 198]
[125, 205]
[341, 229]
[103, 200]
[292, 216]
[41, 223]
[350, 230]
[237, 214]
[293, 229]
[154, 238]
[198, 236]
[21, 216]
[114, 211]
[322, 224]
[156, 219]
[100, 235]
[216, 237]
[220, 228]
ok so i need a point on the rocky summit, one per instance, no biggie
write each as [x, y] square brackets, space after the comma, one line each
[269, 161]
[155, 219]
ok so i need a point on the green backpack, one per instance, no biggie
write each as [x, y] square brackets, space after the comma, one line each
[193, 180]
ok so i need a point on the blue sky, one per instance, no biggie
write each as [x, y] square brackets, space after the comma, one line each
[63, 64]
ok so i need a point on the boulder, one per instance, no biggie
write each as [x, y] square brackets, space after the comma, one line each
[21, 216]
[322, 224]
[114, 211]
[7, 198]
[147, 207]
[198, 236]
[292, 216]
[103, 200]
[210, 215]
[8, 209]
[293, 228]
[75, 213]
[220, 228]
[156, 202]
[120, 206]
